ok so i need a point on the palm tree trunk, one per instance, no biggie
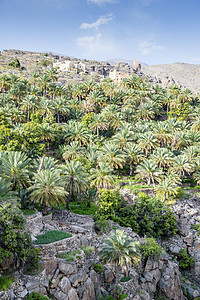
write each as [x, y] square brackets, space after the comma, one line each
[70, 193]
[164, 197]
[131, 169]
[116, 281]
[97, 132]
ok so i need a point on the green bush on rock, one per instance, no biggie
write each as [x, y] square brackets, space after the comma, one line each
[5, 282]
[36, 296]
[185, 260]
[151, 249]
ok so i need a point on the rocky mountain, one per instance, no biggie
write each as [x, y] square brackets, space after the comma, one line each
[186, 75]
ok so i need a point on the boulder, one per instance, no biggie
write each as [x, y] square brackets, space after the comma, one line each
[67, 268]
[64, 285]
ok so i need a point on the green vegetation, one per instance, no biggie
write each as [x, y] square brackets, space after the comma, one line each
[125, 279]
[148, 216]
[28, 212]
[69, 256]
[151, 249]
[5, 282]
[88, 250]
[36, 296]
[119, 250]
[185, 260]
[98, 268]
[51, 236]
[66, 146]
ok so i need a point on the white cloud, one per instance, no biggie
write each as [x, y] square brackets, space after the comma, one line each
[149, 45]
[100, 21]
[95, 46]
[99, 2]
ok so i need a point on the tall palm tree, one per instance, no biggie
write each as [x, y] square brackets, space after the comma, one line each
[162, 157]
[77, 131]
[44, 82]
[133, 155]
[48, 188]
[28, 103]
[46, 133]
[119, 250]
[73, 150]
[147, 142]
[148, 171]
[181, 165]
[59, 106]
[75, 177]
[4, 85]
[96, 99]
[123, 137]
[15, 168]
[98, 124]
[102, 176]
[166, 188]
[111, 154]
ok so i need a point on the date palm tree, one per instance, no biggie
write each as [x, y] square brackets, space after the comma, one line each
[6, 193]
[28, 103]
[59, 106]
[133, 155]
[77, 131]
[119, 250]
[102, 176]
[181, 165]
[148, 171]
[162, 157]
[111, 154]
[123, 137]
[166, 188]
[76, 178]
[46, 133]
[15, 168]
[48, 188]
[73, 150]
[98, 124]
[147, 142]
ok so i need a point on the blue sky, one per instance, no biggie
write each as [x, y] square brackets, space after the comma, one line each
[152, 31]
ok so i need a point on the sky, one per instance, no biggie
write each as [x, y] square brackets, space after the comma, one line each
[152, 31]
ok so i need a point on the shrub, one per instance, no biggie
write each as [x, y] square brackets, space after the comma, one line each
[125, 279]
[109, 203]
[88, 250]
[185, 260]
[51, 236]
[101, 224]
[151, 249]
[98, 268]
[14, 63]
[5, 282]
[69, 256]
[32, 266]
[149, 217]
[36, 296]
[83, 209]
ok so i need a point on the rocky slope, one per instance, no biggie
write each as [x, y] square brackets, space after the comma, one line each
[186, 75]
[78, 280]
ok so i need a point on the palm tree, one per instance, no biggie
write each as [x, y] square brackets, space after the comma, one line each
[181, 165]
[77, 131]
[15, 168]
[163, 133]
[148, 171]
[46, 133]
[147, 111]
[162, 157]
[133, 155]
[59, 106]
[73, 150]
[28, 103]
[147, 142]
[4, 84]
[75, 178]
[46, 107]
[166, 188]
[98, 124]
[123, 137]
[119, 250]
[48, 188]
[102, 176]
[95, 98]
[111, 154]
[6, 193]
[44, 83]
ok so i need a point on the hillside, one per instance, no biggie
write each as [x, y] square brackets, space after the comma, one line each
[188, 75]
